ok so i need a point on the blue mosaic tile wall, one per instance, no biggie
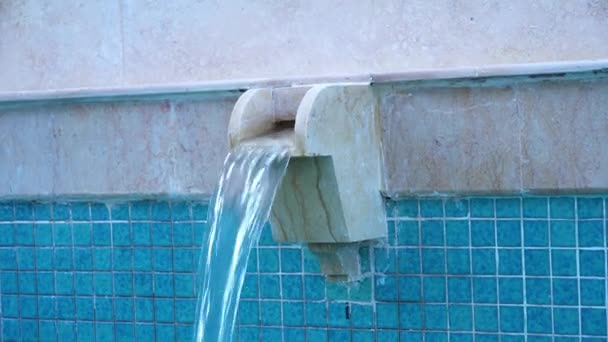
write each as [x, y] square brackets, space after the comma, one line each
[473, 269]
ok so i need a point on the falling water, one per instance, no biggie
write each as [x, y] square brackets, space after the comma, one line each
[241, 206]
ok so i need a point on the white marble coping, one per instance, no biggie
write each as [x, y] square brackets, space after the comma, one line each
[498, 70]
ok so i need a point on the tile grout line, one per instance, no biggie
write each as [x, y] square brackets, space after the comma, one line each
[496, 266]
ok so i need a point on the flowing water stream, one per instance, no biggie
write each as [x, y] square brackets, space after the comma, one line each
[238, 211]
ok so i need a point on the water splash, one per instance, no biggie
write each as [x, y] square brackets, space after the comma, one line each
[241, 206]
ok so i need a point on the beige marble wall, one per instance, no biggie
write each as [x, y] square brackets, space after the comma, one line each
[172, 147]
[72, 44]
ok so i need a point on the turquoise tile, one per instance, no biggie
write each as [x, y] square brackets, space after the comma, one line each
[165, 332]
[316, 314]
[161, 234]
[102, 283]
[184, 285]
[387, 315]
[28, 307]
[125, 332]
[508, 207]
[484, 290]
[250, 286]
[269, 260]
[266, 237]
[164, 310]
[433, 261]
[144, 309]
[10, 306]
[293, 313]
[46, 307]
[142, 283]
[85, 331]
[291, 260]
[199, 211]
[47, 328]
[65, 308]
[409, 260]
[591, 233]
[407, 233]
[270, 313]
[160, 211]
[536, 233]
[99, 211]
[458, 261]
[185, 310]
[541, 324]
[25, 258]
[268, 334]
[10, 329]
[461, 317]
[486, 318]
[102, 234]
[293, 334]
[482, 233]
[456, 207]
[83, 283]
[248, 312]
[362, 291]
[511, 290]
[183, 260]
[592, 263]
[145, 332]
[590, 207]
[535, 207]
[593, 321]
[537, 262]
[102, 259]
[434, 289]
[385, 260]
[563, 233]
[292, 287]
[180, 211]
[23, 211]
[538, 291]
[410, 316]
[27, 283]
[62, 234]
[339, 335]
[24, 234]
[337, 315]
[436, 316]
[120, 211]
[314, 287]
[8, 259]
[316, 335]
[121, 234]
[81, 233]
[593, 292]
[387, 335]
[363, 335]
[435, 337]
[142, 259]
[43, 234]
[140, 210]
[163, 260]
[561, 207]
[482, 207]
[122, 259]
[410, 289]
[459, 289]
[457, 233]
[7, 235]
[386, 288]
[63, 259]
[484, 261]
[125, 309]
[85, 308]
[362, 316]
[269, 286]
[311, 262]
[432, 233]
[563, 262]
[406, 208]
[510, 262]
[512, 319]
[66, 331]
[431, 208]
[64, 282]
[566, 321]
[61, 211]
[104, 331]
[484, 337]
[365, 260]
[141, 234]
[508, 233]
[245, 334]
[182, 234]
[123, 283]
[464, 337]
[7, 211]
[184, 332]
[10, 285]
[80, 211]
